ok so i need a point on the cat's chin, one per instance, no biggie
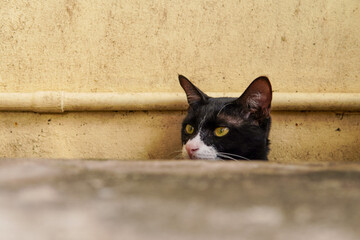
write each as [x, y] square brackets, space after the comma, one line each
[204, 158]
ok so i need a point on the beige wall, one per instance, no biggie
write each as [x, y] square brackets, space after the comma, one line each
[295, 136]
[141, 46]
[306, 46]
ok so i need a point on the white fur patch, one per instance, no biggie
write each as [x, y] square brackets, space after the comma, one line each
[204, 151]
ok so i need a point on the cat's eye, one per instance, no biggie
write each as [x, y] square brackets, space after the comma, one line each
[189, 129]
[221, 131]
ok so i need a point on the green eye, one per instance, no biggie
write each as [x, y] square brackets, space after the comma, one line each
[189, 129]
[221, 131]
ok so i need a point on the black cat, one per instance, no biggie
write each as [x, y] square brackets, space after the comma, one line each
[227, 128]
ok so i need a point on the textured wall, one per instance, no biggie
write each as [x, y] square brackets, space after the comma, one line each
[295, 136]
[141, 46]
[78, 45]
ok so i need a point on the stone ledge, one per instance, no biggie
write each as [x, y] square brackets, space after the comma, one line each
[77, 199]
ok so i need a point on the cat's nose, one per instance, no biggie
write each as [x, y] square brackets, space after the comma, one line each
[191, 150]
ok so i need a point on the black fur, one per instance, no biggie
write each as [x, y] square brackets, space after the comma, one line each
[249, 122]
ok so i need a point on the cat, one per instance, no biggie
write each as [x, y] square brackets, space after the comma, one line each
[227, 128]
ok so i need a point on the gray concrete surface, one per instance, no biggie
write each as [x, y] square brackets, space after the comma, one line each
[77, 199]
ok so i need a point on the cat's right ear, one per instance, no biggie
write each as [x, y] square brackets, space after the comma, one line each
[193, 94]
[257, 98]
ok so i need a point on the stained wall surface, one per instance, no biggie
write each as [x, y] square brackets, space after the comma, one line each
[295, 136]
[141, 46]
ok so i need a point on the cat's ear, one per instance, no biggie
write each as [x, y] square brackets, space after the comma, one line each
[257, 98]
[193, 94]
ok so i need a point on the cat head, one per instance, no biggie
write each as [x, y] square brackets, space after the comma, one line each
[227, 128]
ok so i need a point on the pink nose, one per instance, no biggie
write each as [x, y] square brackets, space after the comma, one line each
[191, 149]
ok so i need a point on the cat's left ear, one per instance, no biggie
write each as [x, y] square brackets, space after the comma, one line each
[257, 98]
[193, 94]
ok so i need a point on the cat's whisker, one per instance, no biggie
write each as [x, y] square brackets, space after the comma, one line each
[224, 156]
[178, 151]
[178, 157]
[175, 154]
[233, 155]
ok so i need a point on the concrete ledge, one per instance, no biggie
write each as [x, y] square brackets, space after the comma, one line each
[47, 199]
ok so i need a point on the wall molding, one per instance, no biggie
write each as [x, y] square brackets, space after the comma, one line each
[59, 101]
